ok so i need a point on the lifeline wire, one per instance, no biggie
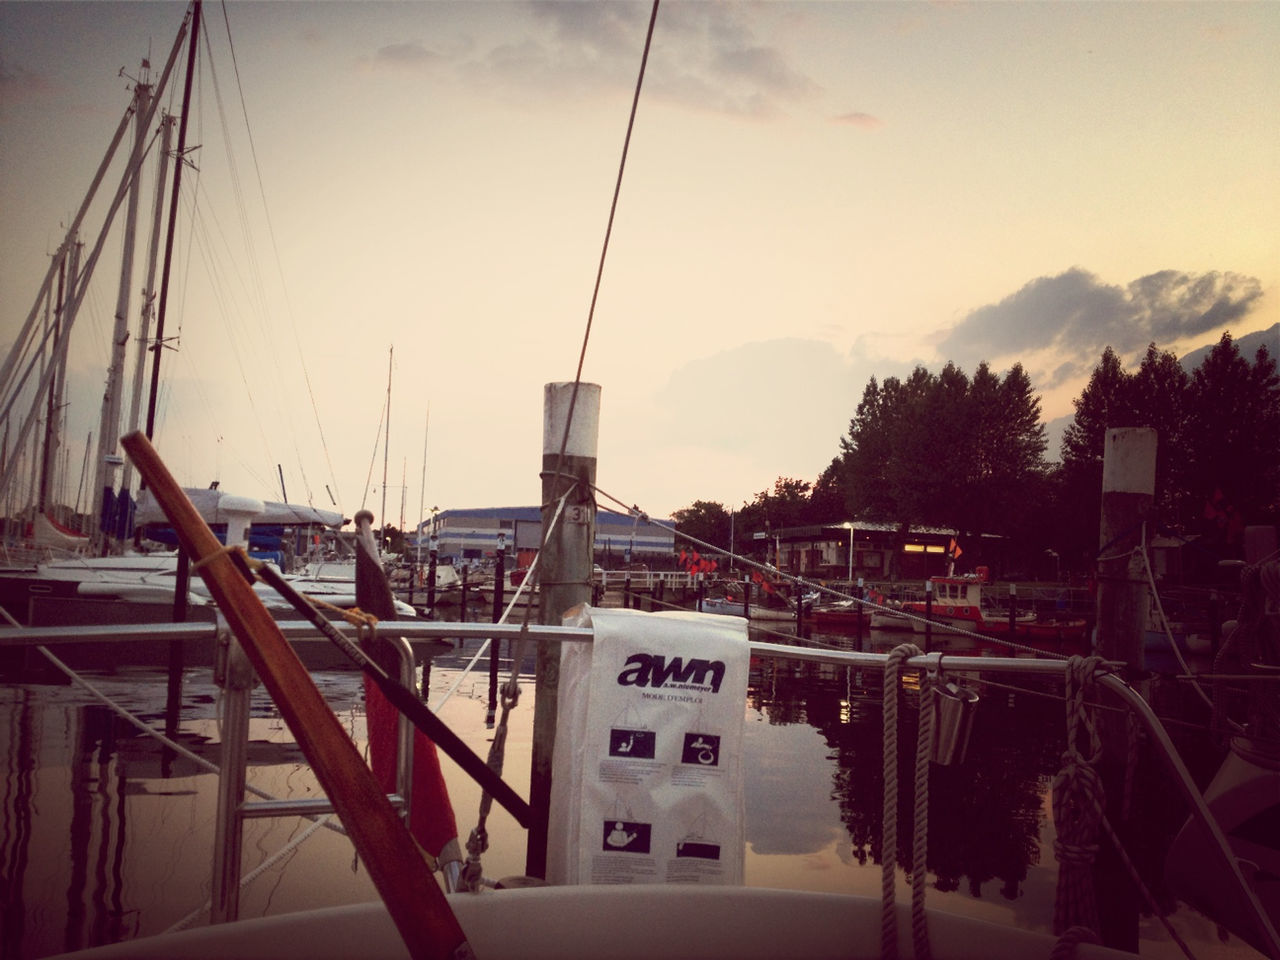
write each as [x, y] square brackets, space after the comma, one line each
[604, 250]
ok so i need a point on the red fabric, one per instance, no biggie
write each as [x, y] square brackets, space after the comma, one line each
[431, 819]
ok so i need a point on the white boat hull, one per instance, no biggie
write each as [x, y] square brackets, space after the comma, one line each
[609, 923]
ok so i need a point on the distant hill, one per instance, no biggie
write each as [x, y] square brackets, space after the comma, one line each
[1248, 346]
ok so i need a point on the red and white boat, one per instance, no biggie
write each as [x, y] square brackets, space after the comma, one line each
[957, 607]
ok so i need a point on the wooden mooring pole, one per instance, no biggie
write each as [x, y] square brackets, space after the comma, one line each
[570, 429]
[1128, 492]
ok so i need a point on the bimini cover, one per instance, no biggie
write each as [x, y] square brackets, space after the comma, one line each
[647, 768]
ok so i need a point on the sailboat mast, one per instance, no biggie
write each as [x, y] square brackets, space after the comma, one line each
[79, 279]
[52, 431]
[109, 425]
[422, 491]
[178, 160]
[386, 447]
[149, 291]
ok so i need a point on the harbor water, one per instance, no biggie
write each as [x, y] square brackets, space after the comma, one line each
[105, 835]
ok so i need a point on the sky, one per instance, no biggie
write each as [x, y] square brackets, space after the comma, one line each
[412, 198]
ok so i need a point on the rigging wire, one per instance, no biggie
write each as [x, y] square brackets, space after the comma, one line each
[275, 249]
[604, 247]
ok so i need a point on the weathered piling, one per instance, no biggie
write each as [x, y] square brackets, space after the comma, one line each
[570, 428]
[1128, 492]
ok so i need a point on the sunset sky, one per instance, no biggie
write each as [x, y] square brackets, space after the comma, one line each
[816, 193]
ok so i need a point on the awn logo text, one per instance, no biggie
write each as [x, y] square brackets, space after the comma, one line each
[653, 670]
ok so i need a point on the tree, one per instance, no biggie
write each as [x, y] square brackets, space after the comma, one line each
[1218, 441]
[1233, 437]
[1158, 393]
[826, 500]
[943, 450]
[706, 521]
[1104, 404]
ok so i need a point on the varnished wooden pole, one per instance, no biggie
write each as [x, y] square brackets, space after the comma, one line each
[413, 898]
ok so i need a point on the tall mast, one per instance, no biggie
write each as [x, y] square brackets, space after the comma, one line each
[422, 491]
[53, 409]
[179, 159]
[79, 278]
[109, 425]
[386, 449]
[149, 291]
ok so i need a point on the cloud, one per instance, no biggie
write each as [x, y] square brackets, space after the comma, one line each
[1178, 305]
[704, 56]
[1075, 316]
[411, 54]
[864, 120]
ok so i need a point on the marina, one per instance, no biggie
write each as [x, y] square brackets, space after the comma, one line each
[234, 728]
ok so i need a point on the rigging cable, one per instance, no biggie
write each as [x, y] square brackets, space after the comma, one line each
[275, 249]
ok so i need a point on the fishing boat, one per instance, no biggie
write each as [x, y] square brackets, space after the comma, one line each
[957, 606]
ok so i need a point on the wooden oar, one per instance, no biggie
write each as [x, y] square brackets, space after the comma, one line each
[413, 898]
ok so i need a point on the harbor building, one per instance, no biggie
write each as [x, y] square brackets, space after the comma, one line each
[475, 534]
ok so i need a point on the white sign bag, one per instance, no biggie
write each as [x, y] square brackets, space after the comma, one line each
[647, 768]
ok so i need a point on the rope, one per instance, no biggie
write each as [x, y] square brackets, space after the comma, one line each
[478, 841]
[1077, 805]
[472, 878]
[920, 844]
[889, 813]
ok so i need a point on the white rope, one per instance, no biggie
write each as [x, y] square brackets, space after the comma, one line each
[528, 579]
[889, 811]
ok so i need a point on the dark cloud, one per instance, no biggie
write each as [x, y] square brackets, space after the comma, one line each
[1184, 304]
[1077, 315]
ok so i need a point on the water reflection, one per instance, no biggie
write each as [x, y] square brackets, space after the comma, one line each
[985, 816]
[990, 829]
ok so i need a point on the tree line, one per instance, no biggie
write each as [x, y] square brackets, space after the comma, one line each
[970, 454]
